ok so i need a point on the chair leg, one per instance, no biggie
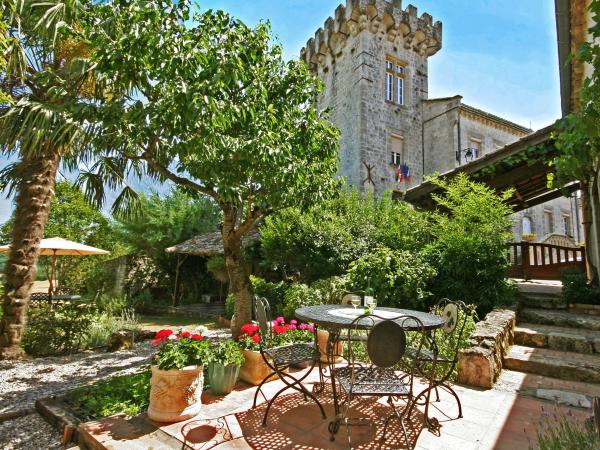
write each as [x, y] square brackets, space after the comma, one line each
[450, 390]
[260, 387]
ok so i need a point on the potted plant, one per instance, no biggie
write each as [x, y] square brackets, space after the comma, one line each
[254, 369]
[224, 362]
[177, 379]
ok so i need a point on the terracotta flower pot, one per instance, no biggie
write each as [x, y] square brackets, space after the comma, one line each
[175, 394]
[254, 369]
[322, 337]
[222, 378]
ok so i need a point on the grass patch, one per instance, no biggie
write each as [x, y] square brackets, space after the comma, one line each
[125, 393]
[156, 323]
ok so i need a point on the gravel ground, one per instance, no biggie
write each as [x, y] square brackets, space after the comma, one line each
[23, 382]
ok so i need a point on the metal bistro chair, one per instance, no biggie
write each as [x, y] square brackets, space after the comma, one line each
[427, 360]
[278, 359]
[375, 376]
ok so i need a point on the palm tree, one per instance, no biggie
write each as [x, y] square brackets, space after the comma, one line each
[44, 72]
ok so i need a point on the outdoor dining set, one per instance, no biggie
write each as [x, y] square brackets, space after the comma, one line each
[377, 352]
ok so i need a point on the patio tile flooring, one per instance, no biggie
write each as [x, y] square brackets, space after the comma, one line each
[492, 419]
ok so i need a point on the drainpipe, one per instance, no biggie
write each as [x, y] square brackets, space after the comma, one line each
[459, 141]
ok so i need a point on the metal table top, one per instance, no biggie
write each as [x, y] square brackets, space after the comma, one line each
[340, 316]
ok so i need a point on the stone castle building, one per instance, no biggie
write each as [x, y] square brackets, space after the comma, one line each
[372, 57]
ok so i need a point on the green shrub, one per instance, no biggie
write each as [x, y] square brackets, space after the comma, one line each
[576, 288]
[398, 278]
[104, 325]
[331, 289]
[471, 230]
[273, 292]
[229, 306]
[58, 329]
[299, 295]
[112, 305]
[322, 241]
[560, 431]
[126, 393]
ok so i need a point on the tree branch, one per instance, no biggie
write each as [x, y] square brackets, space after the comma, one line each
[157, 167]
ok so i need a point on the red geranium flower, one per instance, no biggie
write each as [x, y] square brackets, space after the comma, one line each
[279, 329]
[196, 337]
[185, 334]
[161, 336]
[256, 338]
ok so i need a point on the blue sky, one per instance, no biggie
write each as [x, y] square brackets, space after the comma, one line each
[500, 55]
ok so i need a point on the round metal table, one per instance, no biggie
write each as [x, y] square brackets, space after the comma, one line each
[337, 317]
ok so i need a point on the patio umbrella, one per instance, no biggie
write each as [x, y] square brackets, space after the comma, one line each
[61, 247]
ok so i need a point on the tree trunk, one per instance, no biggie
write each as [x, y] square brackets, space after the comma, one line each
[239, 277]
[34, 195]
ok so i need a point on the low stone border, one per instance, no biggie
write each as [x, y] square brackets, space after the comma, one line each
[59, 416]
[481, 363]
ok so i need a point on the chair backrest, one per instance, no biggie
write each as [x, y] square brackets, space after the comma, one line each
[386, 338]
[456, 314]
[262, 312]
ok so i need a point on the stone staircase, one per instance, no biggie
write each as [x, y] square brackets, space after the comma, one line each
[556, 352]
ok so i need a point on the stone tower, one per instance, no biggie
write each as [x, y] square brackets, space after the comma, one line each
[372, 58]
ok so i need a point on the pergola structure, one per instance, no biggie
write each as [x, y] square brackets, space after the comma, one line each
[207, 244]
[522, 166]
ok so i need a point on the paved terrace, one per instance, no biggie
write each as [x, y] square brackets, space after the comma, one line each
[493, 419]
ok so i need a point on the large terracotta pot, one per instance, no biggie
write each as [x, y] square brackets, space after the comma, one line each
[175, 394]
[222, 378]
[254, 369]
[322, 337]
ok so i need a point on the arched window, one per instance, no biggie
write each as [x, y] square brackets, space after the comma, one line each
[526, 225]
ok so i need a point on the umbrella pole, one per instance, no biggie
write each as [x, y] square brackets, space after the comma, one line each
[52, 274]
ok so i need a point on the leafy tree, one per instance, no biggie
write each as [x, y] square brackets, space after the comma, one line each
[163, 221]
[43, 73]
[324, 240]
[209, 104]
[578, 141]
[470, 229]
[73, 217]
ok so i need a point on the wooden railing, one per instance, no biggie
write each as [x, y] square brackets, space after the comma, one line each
[543, 261]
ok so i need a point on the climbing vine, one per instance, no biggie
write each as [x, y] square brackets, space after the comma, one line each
[531, 155]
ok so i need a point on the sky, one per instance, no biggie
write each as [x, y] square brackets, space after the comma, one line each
[500, 55]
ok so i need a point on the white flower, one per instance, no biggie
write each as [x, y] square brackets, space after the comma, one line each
[201, 329]
[172, 337]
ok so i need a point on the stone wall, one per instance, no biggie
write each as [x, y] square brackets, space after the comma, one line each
[481, 363]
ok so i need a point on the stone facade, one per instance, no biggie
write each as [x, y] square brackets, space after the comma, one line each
[360, 54]
[349, 54]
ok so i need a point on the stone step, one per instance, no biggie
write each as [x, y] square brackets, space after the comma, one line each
[559, 318]
[557, 338]
[552, 363]
[571, 393]
[542, 301]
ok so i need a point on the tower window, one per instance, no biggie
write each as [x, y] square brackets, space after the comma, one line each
[394, 81]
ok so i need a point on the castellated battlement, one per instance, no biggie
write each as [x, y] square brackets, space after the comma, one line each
[380, 17]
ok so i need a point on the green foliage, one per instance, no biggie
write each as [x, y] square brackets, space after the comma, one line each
[164, 221]
[218, 268]
[533, 154]
[576, 288]
[469, 249]
[58, 329]
[129, 394]
[331, 289]
[226, 352]
[105, 324]
[299, 295]
[273, 292]
[397, 278]
[182, 352]
[322, 241]
[72, 217]
[560, 431]
[229, 306]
